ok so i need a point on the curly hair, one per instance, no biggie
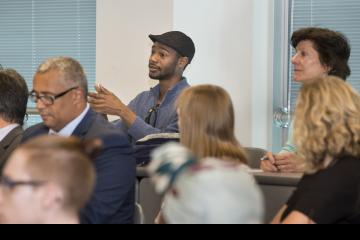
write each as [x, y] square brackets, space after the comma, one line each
[333, 48]
[327, 122]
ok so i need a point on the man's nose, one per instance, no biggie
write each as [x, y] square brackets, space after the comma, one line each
[153, 59]
[40, 105]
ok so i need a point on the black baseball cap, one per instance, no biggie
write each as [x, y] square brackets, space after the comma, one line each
[178, 41]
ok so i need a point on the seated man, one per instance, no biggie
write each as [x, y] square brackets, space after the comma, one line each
[52, 175]
[13, 103]
[153, 112]
[60, 92]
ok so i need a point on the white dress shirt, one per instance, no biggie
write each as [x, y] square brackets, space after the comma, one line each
[6, 130]
[68, 130]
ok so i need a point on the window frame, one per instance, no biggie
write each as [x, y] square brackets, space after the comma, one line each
[281, 88]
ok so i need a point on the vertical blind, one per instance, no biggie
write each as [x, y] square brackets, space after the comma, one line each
[34, 30]
[343, 16]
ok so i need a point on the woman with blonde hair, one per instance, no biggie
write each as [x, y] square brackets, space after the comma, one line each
[206, 179]
[48, 181]
[327, 138]
[207, 123]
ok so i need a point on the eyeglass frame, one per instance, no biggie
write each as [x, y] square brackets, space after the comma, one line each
[12, 184]
[34, 97]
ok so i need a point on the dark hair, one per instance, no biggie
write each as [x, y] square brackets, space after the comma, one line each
[15, 75]
[13, 96]
[333, 48]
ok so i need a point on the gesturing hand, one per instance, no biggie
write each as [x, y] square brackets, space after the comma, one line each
[105, 102]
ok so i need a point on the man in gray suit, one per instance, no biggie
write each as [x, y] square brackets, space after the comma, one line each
[13, 102]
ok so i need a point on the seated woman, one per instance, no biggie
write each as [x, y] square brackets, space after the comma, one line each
[206, 180]
[327, 138]
[319, 53]
[47, 181]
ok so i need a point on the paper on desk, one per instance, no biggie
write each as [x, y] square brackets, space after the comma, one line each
[255, 171]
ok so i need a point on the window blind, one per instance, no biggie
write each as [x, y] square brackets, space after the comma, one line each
[34, 30]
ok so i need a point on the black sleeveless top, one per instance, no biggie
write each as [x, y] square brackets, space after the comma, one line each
[330, 196]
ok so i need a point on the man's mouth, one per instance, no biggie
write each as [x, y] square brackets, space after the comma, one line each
[153, 68]
[44, 116]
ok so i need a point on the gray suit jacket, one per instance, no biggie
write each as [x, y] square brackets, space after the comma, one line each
[9, 144]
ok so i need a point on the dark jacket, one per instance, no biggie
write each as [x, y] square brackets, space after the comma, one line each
[114, 197]
[9, 144]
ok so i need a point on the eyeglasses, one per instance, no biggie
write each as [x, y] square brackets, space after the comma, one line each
[148, 118]
[11, 184]
[48, 100]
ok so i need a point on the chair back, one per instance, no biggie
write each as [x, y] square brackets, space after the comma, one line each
[254, 156]
[139, 217]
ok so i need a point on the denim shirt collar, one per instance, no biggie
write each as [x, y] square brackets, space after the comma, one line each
[175, 90]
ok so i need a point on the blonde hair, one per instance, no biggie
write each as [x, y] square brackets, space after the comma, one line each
[207, 123]
[66, 162]
[327, 122]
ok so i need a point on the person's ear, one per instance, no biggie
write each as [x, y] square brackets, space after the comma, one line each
[183, 62]
[78, 95]
[51, 196]
[328, 69]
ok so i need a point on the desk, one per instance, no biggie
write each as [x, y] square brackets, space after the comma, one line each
[276, 187]
[277, 179]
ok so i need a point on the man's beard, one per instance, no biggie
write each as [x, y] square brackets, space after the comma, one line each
[163, 74]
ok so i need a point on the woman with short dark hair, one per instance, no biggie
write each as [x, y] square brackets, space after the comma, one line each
[320, 52]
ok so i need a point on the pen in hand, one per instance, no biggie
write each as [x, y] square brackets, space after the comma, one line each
[267, 158]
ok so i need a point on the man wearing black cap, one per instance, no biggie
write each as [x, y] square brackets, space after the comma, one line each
[153, 111]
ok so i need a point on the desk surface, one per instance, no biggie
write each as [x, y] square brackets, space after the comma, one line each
[263, 178]
[277, 179]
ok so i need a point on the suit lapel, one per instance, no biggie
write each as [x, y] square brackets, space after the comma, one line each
[7, 141]
[2, 149]
[82, 129]
[43, 130]
[5, 144]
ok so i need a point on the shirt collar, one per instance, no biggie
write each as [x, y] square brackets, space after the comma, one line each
[174, 90]
[180, 86]
[6, 130]
[68, 130]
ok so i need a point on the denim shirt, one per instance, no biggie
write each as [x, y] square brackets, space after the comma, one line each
[163, 120]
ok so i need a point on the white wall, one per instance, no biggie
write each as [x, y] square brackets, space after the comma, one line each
[262, 69]
[122, 43]
[233, 40]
